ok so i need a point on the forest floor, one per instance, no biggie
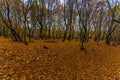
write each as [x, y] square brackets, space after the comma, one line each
[57, 60]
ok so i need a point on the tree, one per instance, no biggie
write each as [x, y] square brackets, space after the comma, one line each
[113, 11]
[84, 8]
[111, 26]
[7, 16]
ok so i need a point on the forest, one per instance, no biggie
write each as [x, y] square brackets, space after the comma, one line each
[59, 39]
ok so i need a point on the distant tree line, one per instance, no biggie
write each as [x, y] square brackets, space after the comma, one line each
[83, 20]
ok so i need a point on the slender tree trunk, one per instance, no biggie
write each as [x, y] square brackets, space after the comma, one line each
[25, 31]
[65, 33]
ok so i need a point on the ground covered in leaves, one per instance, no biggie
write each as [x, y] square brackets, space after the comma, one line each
[56, 60]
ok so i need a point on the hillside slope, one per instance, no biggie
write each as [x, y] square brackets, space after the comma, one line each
[56, 60]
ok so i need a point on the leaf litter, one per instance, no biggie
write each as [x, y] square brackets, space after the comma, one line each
[43, 60]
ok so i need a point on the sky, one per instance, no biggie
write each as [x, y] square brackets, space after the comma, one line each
[61, 1]
[111, 1]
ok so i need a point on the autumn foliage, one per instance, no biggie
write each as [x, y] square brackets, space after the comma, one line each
[57, 60]
[63, 40]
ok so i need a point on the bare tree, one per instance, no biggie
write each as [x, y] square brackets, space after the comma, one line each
[7, 16]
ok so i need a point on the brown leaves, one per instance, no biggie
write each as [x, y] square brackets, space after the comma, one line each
[62, 61]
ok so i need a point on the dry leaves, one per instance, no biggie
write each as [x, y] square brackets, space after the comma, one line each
[55, 60]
